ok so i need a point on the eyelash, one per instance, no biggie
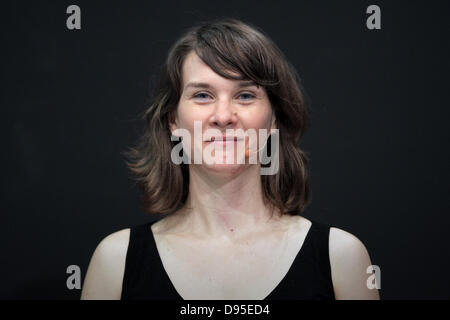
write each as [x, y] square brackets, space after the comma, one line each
[205, 93]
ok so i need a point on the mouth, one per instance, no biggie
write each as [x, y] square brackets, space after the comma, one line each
[224, 139]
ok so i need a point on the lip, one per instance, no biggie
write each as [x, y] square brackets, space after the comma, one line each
[224, 139]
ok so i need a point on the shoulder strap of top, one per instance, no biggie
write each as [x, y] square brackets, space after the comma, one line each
[309, 277]
[144, 276]
[320, 243]
[134, 260]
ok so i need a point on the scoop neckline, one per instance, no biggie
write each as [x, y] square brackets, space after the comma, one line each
[271, 293]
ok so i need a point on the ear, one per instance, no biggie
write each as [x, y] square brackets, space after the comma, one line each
[173, 122]
[173, 126]
[274, 121]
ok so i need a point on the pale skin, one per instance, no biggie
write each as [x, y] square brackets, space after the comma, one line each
[227, 241]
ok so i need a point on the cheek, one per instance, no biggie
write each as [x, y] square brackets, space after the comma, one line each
[258, 120]
[186, 117]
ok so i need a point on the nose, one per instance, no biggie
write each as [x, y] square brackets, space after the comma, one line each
[224, 116]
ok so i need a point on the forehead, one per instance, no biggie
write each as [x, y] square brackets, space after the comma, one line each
[194, 70]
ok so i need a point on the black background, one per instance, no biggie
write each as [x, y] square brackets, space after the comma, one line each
[378, 143]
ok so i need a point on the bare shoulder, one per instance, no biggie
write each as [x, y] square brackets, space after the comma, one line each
[343, 240]
[345, 248]
[106, 268]
[349, 260]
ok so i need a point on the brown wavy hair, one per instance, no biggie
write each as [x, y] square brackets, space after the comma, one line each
[235, 50]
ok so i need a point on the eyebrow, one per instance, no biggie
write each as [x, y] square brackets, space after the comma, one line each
[204, 85]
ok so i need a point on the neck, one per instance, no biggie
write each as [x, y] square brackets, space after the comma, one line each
[226, 206]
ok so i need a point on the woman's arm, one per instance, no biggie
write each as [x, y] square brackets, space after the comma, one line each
[349, 262]
[106, 269]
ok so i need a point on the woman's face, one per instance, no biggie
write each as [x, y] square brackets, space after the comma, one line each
[218, 104]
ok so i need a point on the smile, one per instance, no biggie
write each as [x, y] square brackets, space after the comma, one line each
[224, 139]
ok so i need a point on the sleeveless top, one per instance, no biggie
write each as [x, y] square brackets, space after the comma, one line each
[309, 276]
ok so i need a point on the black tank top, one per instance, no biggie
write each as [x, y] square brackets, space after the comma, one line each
[309, 277]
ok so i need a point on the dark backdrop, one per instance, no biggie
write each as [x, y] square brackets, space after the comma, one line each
[378, 141]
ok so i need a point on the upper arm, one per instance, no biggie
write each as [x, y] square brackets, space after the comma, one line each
[104, 277]
[349, 261]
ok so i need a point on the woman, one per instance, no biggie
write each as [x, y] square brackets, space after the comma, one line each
[229, 231]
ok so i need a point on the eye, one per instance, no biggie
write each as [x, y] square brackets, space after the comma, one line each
[247, 95]
[201, 95]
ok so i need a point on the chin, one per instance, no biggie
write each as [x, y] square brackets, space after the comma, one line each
[224, 169]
